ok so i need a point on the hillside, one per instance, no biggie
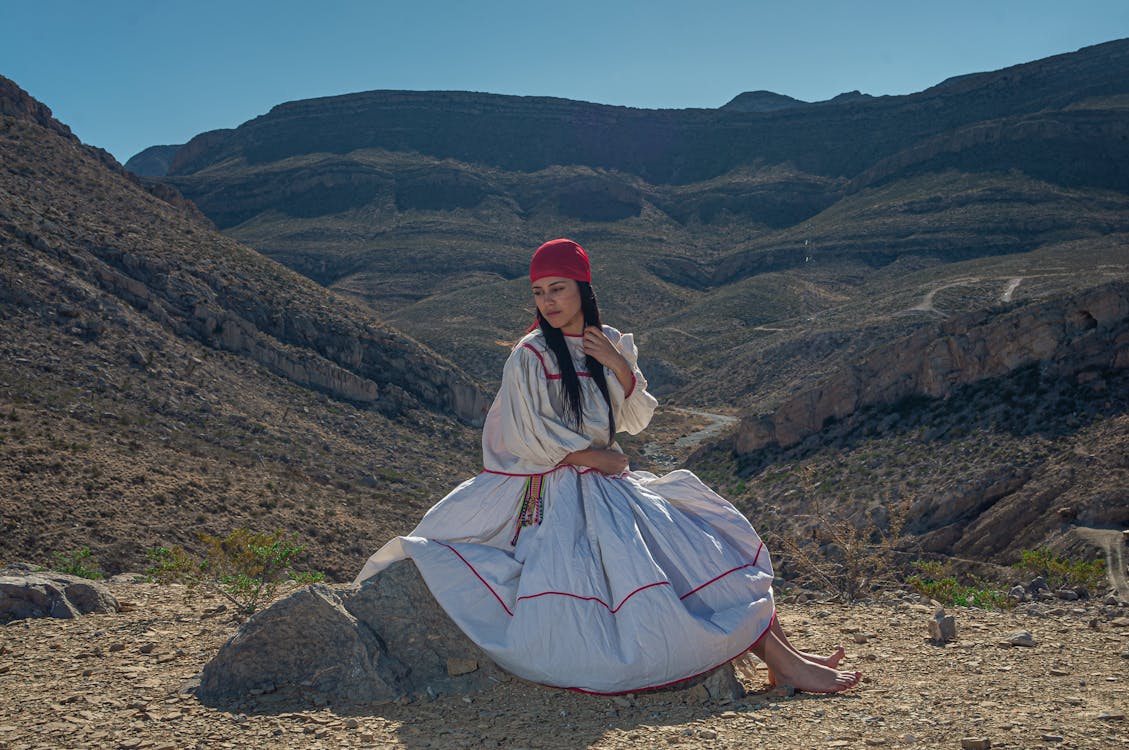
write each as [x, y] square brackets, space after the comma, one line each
[158, 379]
[816, 269]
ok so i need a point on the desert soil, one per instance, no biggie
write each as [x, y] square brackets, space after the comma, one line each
[117, 681]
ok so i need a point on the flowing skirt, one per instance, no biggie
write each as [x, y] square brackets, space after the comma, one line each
[616, 584]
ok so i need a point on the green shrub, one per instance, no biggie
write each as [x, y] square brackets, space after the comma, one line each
[1063, 572]
[934, 581]
[76, 564]
[245, 567]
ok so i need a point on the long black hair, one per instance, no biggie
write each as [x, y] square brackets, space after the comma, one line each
[570, 381]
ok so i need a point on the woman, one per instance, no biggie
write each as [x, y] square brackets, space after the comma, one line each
[566, 567]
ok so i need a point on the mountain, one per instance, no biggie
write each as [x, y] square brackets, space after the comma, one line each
[158, 379]
[772, 256]
[153, 161]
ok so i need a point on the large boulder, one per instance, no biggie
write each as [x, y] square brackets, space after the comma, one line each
[26, 593]
[384, 641]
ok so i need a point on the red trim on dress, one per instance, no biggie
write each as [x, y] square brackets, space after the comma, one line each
[682, 679]
[718, 578]
[592, 598]
[632, 388]
[596, 599]
[550, 471]
[476, 575]
[545, 368]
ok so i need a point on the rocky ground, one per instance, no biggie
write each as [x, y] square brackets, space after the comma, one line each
[118, 681]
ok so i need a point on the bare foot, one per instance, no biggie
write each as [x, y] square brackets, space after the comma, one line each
[828, 661]
[815, 678]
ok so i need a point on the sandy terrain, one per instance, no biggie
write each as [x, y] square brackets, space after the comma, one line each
[115, 681]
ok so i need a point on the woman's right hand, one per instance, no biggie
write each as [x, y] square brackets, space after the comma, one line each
[602, 460]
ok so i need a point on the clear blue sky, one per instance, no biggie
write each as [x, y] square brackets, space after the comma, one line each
[127, 74]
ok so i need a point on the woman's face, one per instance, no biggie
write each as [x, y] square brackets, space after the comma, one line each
[558, 300]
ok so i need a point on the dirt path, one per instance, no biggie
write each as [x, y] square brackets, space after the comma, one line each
[1112, 543]
[926, 304]
[1009, 290]
[719, 423]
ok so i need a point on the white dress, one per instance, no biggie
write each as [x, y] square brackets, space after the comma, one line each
[569, 577]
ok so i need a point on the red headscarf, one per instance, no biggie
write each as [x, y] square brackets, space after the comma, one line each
[562, 258]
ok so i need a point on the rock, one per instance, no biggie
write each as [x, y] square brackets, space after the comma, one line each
[25, 594]
[942, 627]
[1109, 716]
[1018, 593]
[1067, 595]
[374, 644]
[1037, 584]
[975, 743]
[1019, 638]
[457, 667]
[1120, 622]
[385, 641]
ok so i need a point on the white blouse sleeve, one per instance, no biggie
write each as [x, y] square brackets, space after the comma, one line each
[638, 406]
[523, 433]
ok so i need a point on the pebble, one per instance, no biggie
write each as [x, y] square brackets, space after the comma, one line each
[975, 743]
[1019, 638]
[1052, 738]
[1108, 716]
[707, 734]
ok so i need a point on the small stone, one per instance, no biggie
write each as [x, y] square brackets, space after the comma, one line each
[707, 734]
[456, 666]
[1067, 595]
[975, 743]
[1037, 584]
[1120, 622]
[1125, 654]
[1059, 672]
[860, 637]
[351, 724]
[875, 741]
[782, 691]
[1109, 716]
[1019, 638]
[1018, 593]
[942, 627]
[116, 647]
[1052, 738]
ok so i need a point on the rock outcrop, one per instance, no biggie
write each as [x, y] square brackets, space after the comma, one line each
[200, 284]
[1068, 335]
[25, 593]
[153, 161]
[384, 641]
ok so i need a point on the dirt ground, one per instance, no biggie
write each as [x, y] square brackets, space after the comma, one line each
[116, 681]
